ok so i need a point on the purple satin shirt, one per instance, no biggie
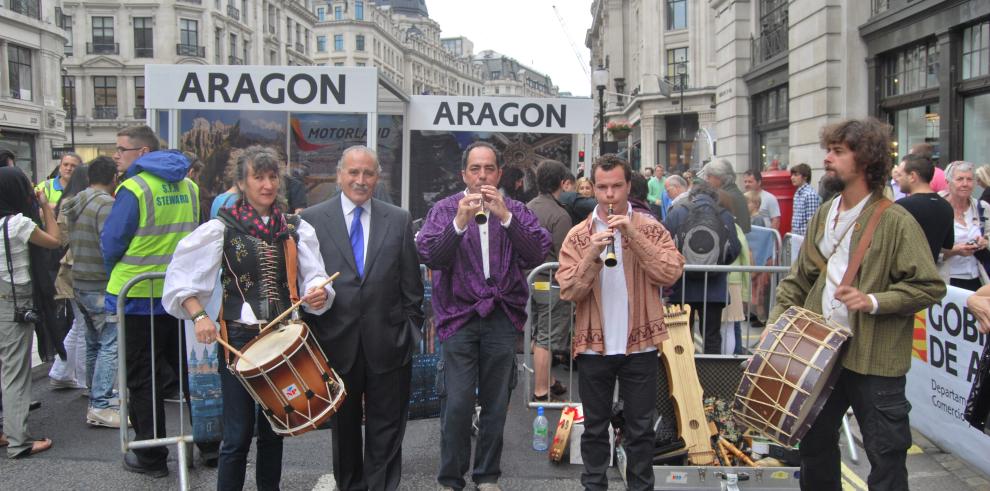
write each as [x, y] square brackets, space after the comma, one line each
[460, 290]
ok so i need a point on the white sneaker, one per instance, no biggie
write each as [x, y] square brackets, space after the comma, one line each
[64, 384]
[489, 486]
[108, 417]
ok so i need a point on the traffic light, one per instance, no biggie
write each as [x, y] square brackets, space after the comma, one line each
[580, 155]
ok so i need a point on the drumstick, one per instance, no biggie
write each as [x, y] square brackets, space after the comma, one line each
[233, 350]
[297, 304]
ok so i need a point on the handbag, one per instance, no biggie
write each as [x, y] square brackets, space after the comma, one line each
[978, 403]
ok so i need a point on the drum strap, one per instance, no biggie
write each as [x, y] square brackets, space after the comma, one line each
[292, 268]
[856, 259]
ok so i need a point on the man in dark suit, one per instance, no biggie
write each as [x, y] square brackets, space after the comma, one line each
[369, 333]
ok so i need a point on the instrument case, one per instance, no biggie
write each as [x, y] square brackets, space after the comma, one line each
[719, 376]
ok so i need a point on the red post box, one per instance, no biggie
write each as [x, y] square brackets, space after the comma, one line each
[778, 183]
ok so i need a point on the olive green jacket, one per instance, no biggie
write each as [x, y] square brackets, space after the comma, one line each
[896, 270]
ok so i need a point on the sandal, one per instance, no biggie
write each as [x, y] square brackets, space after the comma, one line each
[3, 441]
[37, 447]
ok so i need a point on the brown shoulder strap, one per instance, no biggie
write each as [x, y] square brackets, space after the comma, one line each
[292, 268]
[856, 259]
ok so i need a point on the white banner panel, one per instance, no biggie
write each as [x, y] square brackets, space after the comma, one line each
[262, 88]
[945, 357]
[501, 114]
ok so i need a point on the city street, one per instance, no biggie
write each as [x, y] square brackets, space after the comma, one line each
[87, 458]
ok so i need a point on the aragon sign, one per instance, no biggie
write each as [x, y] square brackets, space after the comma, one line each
[501, 114]
[262, 88]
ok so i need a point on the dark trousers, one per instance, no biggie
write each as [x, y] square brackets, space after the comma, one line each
[478, 364]
[637, 376]
[371, 459]
[710, 323]
[169, 348]
[240, 416]
[881, 409]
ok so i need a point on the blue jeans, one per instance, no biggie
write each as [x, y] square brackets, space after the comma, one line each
[478, 363]
[240, 416]
[101, 346]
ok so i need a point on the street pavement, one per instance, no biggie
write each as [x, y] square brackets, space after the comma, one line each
[87, 458]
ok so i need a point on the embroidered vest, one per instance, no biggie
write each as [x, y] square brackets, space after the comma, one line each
[255, 269]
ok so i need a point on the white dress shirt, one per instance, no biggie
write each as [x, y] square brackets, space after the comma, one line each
[349, 206]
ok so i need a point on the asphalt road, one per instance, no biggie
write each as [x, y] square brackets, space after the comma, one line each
[87, 458]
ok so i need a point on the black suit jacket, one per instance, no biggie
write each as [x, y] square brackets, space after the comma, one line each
[380, 312]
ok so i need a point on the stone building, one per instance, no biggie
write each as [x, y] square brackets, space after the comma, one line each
[660, 57]
[32, 121]
[505, 76]
[110, 43]
[399, 38]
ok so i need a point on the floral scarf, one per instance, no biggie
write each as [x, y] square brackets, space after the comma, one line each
[251, 221]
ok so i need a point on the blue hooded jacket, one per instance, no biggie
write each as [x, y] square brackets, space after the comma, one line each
[122, 223]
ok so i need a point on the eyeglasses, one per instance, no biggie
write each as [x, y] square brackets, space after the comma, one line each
[121, 150]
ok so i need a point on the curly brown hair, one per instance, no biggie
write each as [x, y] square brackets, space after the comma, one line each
[608, 162]
[870, 141]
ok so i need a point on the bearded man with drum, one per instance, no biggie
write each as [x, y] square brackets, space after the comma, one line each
[248, 246]
[879, 306]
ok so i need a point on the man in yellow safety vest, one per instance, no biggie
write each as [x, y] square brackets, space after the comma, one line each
[155, 207]
[53, 187]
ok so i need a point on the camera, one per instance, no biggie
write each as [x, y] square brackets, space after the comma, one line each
[972, 242]
[26, 315]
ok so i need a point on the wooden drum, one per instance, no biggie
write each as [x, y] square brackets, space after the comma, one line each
[790, 376]
[286, 372]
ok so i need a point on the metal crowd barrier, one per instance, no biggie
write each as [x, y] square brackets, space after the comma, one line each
[528, 336]
[183, 438]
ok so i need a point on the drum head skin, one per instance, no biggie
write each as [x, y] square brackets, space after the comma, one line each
[273, 344]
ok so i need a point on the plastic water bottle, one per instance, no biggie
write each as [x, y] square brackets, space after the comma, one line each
[540, 431]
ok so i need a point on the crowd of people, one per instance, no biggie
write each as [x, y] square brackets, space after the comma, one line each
[262, 249]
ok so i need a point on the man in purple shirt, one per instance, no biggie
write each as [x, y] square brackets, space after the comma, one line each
[479, 303]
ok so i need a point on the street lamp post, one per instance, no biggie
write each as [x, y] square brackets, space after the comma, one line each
[600, 78]
[681, 73]
[72, 111]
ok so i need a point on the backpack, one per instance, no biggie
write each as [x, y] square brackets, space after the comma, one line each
[704, 239]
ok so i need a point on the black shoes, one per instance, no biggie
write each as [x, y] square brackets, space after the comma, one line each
[132, 464]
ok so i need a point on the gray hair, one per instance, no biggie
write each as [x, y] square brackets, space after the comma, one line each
[73, 155]
[361, 149]
[703, 188]
[958, 166]
[678, 181]
[722, 170]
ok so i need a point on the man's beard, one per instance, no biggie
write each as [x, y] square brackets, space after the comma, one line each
[832, 183]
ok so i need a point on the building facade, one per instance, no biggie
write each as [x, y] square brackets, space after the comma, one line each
[32, 121]
[110, 43]
[505, 76]
[788, 68]
[660, 58]
[398, 38]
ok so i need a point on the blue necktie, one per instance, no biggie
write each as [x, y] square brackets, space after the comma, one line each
[357, 240]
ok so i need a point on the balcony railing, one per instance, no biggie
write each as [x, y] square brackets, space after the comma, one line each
[102, 48]
[770, 44]
[140, 113]
[67, 50]
[233, 12]
[197, 2]
[30, 8]
[144, 52]
[233, 60]
[299, 48]
[105, 112]
[190, 50]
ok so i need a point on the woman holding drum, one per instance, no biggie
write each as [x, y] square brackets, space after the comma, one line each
[251, 245]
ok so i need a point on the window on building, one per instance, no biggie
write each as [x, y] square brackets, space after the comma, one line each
[139, 111]
[218, 46]
[272, 19]
[288, 30]
[338, 13]
[244, 11]
[361, 63]
[321, 13]
[272, 57]
[773, 30]
[233, 50]
[67, 26]
[338, 42]
[105, 97]
[103, 41]
[19, 66]
[359, 10]
[914, 125]
[247, 53]
[321, 44]
[911, 69]
[68, 94]
[976, 51]
[676, 14]
[359, 42]
[339, 63]
[770, 119]
[144, 40]
[677, 62]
